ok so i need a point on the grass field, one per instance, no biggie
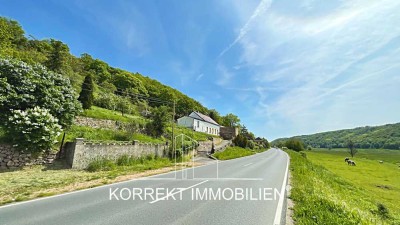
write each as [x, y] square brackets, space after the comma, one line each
[386, 155]
[233, 152]
[381, 181]
[328, 191]
[101, 113]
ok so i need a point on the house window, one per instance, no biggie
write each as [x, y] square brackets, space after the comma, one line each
[198, 123]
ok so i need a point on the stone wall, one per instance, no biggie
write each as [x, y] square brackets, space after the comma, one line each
[11, 158]
[228, 133]
[96, 123]
[80, 153]
[108, 124]
[206, 146]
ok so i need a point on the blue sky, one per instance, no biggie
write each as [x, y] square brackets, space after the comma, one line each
[285, 67]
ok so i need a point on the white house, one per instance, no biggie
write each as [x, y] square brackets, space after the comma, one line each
[199, 122]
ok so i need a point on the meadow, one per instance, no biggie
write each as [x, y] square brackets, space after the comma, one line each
[328, 191]
[233, 152]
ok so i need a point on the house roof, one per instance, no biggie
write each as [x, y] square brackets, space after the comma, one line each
[206, 118]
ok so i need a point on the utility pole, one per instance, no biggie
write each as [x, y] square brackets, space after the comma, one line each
[173, 129]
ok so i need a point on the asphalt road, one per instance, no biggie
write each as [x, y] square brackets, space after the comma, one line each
[250, 192]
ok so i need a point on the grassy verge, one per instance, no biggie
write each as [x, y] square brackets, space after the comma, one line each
[126, 163]
[198, 136]
[40, 181]
[100, 113]
[322, 197]
[107, 135]
[233, 152]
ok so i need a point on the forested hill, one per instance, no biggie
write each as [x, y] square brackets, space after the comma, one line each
[386, 136]
[114, 87]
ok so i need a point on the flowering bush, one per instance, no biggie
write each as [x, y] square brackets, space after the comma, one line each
[37, 103]
[33, 127]
[25, 86]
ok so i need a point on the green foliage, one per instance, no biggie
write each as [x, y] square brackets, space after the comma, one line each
[36, 102]
[294, 144]
[386, 137]
[250, 144]
[160, 118]
[232, 153]
[24, 87]
[230, 120]
[86, 95]
[58, 55]
[33, 130]
[213, 114]
[11, 36]
[129, 163]
[240, 140]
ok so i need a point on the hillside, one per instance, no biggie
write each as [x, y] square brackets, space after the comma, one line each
[385, 136]
[114, 88]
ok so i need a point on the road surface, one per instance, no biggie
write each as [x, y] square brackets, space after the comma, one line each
[247, 190]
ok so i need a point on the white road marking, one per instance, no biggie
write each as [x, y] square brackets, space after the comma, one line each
[247, 164]
[181, 190]
[278, 214]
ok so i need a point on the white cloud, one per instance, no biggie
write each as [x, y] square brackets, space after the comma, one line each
[199, 76]
[262, 7]
[324, 65]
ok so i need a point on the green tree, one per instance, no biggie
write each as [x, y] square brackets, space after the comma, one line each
[86, 95]
[351, 148]
[160, 118]
[213, 114]
[230, 120]
[123, 105]
[294, 144]
[58, 55]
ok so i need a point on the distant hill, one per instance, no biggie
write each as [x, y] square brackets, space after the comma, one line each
[386, 136]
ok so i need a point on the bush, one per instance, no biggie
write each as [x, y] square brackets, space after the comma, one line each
[250, 144]
[36, 102]
[33, 127]
[240, 141]
[294, 144]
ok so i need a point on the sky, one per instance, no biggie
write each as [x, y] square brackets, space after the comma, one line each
[284, 67]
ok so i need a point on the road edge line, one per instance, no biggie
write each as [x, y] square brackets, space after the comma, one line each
[279, 208]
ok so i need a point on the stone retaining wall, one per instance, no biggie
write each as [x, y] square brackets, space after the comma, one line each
[80, 153]
[96, 123]
[11, 158]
